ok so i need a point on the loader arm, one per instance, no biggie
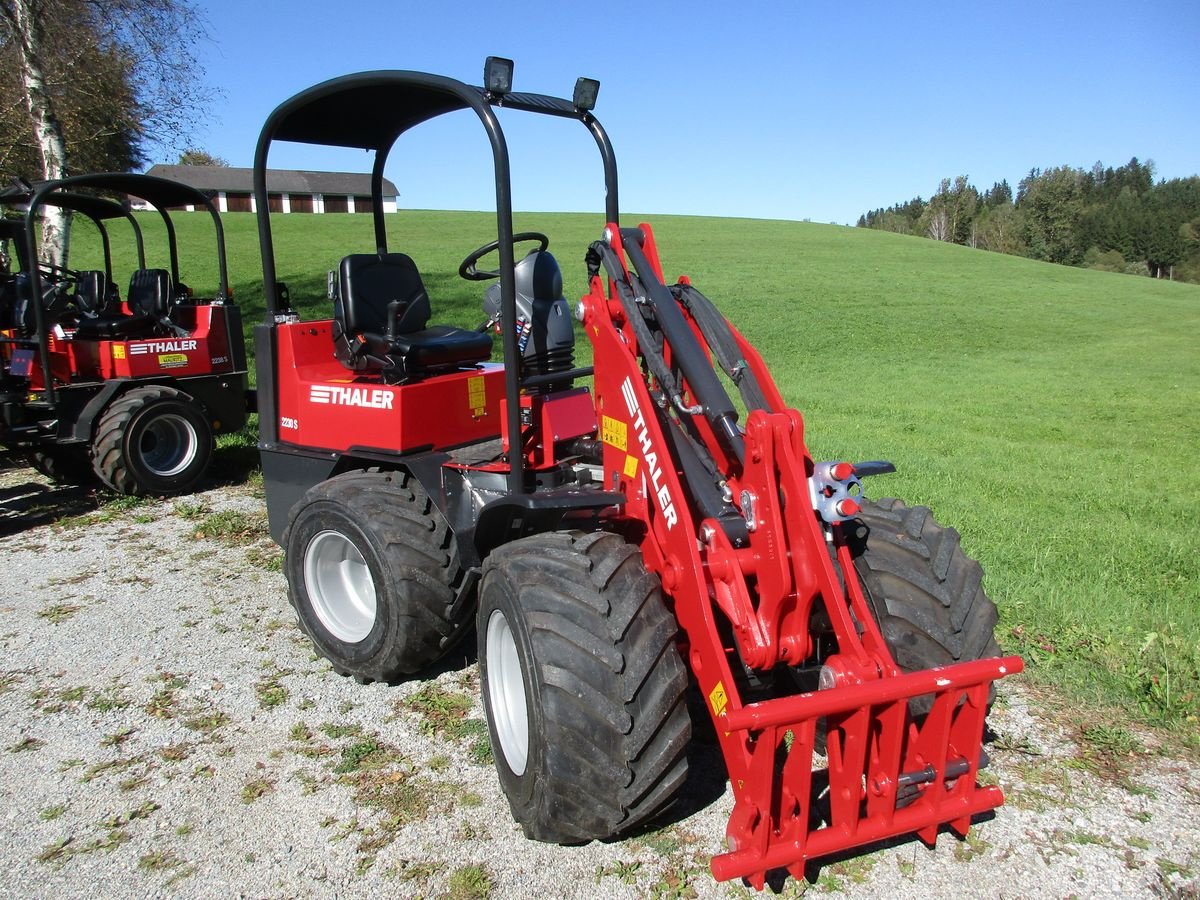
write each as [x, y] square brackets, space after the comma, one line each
[747, 535]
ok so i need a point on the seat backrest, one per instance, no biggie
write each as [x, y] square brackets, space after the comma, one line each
[21, 313]
[368, 282]
[149, 292]
[24, 313]
[91, 292]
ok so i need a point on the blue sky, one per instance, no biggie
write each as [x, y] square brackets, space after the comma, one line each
[762, 109]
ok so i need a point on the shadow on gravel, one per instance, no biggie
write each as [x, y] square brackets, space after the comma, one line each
[27, 500]
[812, 871]
[28, 504]
[231, 466]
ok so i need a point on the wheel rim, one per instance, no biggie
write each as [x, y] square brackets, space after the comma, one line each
[340, 586]
[168, 445]
[506, 693]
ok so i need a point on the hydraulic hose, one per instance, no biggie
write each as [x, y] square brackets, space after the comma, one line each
[686, 352]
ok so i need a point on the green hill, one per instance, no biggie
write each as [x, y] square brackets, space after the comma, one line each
[1050, 413]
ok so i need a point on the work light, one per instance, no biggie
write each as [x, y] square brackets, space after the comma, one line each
[586, 90]
[497, 75]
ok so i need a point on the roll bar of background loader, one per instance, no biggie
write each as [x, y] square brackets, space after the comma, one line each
[370, 111]
[158, 192]
[98, 209]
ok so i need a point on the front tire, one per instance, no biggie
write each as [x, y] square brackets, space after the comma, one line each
[583, 686]
[374, 575]
[926, 593]
[152, 440]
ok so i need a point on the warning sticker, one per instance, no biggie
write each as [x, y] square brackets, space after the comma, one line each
[630, 466]
[477, 395]
[615, 433]
[717, 699]
[118, 351]
[172, 360]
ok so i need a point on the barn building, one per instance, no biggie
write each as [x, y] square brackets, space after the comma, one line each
[288, 191]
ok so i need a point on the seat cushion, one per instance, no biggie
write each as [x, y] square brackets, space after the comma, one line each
[116, 327]
[439, 345]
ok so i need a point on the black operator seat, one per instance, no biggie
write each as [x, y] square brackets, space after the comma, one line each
[381, 322]
[149, 300]
[92, 293]
[23, 316]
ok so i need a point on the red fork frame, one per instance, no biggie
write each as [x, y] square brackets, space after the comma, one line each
[877, 758]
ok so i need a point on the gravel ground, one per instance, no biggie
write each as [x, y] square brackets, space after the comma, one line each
[165, 729]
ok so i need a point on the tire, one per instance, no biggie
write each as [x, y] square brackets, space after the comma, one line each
[927, 595]
[582, 684]
[152, 440]
[374, 574]
[68, 464]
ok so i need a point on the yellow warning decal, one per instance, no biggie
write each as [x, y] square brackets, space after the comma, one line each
[118, 351]
[717, 699]
[172, 360]
[630, 466]
[614, 432]
[477, 395]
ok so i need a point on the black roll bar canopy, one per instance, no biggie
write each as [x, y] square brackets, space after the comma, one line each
[370, 111]
[98, 209]
[160, 193]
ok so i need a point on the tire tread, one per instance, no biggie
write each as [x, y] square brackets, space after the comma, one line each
[617, 727]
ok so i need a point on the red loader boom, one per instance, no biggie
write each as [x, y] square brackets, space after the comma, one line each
[749, 550]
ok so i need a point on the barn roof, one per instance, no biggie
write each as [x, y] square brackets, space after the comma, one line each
[281, 181]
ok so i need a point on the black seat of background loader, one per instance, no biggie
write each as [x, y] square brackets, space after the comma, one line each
[381, 315]
[149, 300]
[92, 293]
[23, 317]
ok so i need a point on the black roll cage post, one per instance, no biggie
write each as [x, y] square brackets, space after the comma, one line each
[370, 111]
[97, 209]
[159, 192]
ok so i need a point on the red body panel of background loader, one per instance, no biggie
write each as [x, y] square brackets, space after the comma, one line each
[203, 351]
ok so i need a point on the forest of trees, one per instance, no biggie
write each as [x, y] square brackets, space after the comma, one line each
[1117, 220]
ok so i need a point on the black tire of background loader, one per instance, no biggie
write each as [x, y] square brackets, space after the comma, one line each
[117, 455]
[604, 685]
[926, 593]
[413, 559]
[63, 465]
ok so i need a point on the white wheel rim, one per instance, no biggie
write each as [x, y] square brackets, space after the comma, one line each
[340, 586]
[168, 445]
[506, 693]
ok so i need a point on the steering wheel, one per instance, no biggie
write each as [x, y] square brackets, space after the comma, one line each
[468, 271]
[57, 274]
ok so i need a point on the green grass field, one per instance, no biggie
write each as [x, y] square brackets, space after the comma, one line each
[1051, 414]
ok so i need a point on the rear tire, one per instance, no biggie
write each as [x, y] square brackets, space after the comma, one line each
[152, 440]
[926, 593]
[583, 686]
[374, 575]
[70, 464]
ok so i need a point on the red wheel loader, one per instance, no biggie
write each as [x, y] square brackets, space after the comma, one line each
[129, 389]
[614, 532]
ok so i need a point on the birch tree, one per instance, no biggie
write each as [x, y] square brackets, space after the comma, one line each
[26, 27]
[94, 85]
